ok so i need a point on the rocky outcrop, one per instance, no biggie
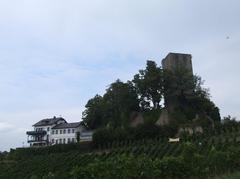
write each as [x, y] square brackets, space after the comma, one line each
[136, 119]
[164, 118]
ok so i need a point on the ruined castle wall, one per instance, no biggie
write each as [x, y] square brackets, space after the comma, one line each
[171, 62]
[177, 60]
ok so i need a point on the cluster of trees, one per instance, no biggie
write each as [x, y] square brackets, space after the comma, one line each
[3, 155]
[145, 93]
[113, 107]
[145, 131]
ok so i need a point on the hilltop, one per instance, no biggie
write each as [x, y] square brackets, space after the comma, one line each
[132, 124]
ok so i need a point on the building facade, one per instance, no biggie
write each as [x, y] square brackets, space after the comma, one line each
[57, 130]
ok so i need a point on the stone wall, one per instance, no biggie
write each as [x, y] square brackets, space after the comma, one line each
[172, 62]
[177, 60]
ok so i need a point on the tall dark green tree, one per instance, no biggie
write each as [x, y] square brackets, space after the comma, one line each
[121, 99]
[114, 108]
[94, 114]
[183, 92]
[149, 85]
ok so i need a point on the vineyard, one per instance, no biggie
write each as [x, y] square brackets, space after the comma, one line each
[147, 158]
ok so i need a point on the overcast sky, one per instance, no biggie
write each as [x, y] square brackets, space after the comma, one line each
[55, 54]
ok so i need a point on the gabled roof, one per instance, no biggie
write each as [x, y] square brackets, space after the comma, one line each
[49, 122]
[67, 125]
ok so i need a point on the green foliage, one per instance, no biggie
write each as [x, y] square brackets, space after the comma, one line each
[187, 96]
[149, 84]
[50, 175]
[121, 99]
[145, 93]
[78, 136]
[3, 155]
[113, 108]
[229, 176]
[151, 116]
[94, 115]
[34, 177]
[148, 130]
[148, 158]
[103, 136]
[118, 151]
[22, 153]
[178, 84]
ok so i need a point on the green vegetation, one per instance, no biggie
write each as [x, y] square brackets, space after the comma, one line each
[120, 151]
[195, 157]
[230, 176]
[145, 94]
[113, 108]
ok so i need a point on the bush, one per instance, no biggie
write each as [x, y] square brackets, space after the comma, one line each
[22, 153]
[145, 131]
[148, 131]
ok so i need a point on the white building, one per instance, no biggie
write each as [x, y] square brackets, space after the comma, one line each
[57, 130]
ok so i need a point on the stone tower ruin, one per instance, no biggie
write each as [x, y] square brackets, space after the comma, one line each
[177, 60]
[172, 62]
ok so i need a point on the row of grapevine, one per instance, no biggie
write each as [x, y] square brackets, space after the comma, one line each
[155, 149]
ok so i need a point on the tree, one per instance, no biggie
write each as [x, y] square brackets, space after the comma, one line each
[121, 99]
[229, 119]
[78, 136]
[149, 85]
[94, 115]
[229, 122]
[184, 96]
[178, 88]
[113, 108]
[183, 92]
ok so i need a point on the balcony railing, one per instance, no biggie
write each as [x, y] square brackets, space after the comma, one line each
[36, 133]
[37, 140]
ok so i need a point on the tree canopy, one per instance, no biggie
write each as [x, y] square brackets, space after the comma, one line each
[149, 85]
[113, 108]
[181, 93]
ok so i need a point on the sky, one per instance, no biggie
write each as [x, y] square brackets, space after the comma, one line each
[55, 55]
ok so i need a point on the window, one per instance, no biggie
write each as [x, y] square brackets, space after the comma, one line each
[56, 131]
[73, 140]
[73, 130]
[52, 141]
[52, 131]
[56, 141]
[60, 141]
[69, 131]
[48, 129]
[64, 131]
[69, 140]
[64, 140]
[60, 131]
